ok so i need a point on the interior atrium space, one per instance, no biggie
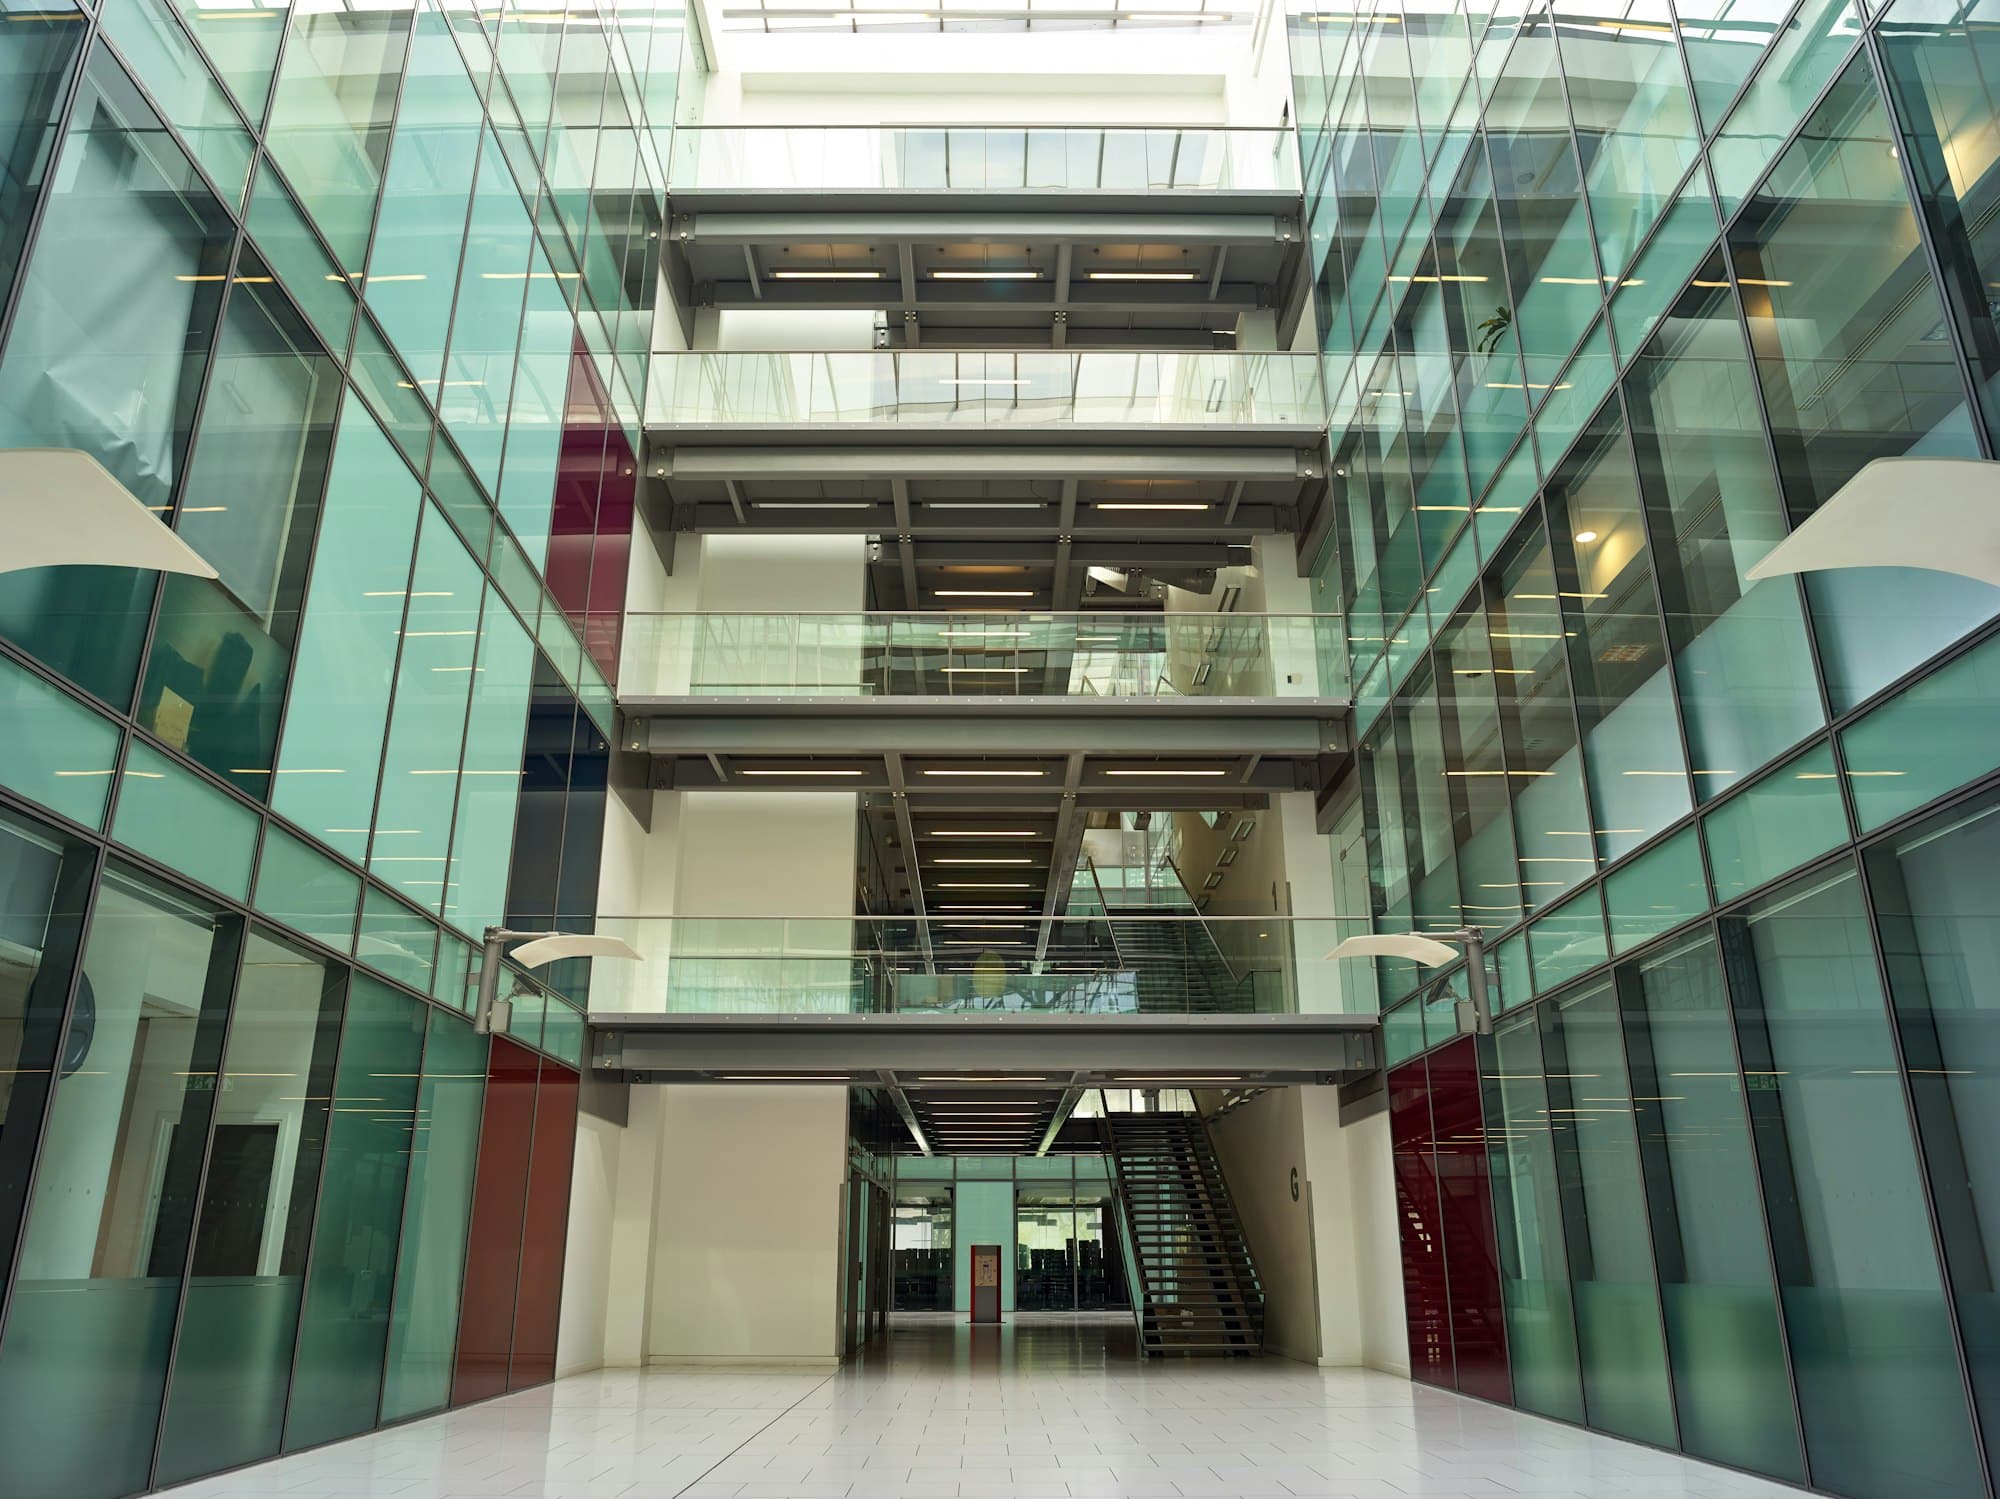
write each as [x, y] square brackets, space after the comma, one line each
[1052, 749]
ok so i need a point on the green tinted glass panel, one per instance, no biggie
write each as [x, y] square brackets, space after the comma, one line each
[111, 1219]
[1808, 51]
[121, 295]
[431, 1264]
[300, 261]
[233, 1359]
[347, 640]
[1617, 1302]
[534, 436]
[562, 1034]
[215, 676]
[425, 192]
[56, 752]
[412, 842]
[344, 1331]
[41, 59]
[1684, 237]
[158, 51]
[170, 814]
[1534, 1262]
[1716, 1287]
[1656, 892]
[301, 887]
[486, 329]
[242, 43]
[1790, 816]
[490, 785]
[1931, 889]
[1873, 1354]
[396, 940]
[1928, 739]
[1568, 941]
[457, 976]
[1402, 1033]
[330, 117]
[389, 391]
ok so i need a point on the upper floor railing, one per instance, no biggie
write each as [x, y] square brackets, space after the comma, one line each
[976, 655]
[925, 388]
[886, 158]
[972, 956]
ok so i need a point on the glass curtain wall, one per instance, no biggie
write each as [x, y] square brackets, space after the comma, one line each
[1690, 268]
[311, 283]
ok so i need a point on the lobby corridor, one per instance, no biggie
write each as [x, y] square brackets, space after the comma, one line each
[1043, 1408]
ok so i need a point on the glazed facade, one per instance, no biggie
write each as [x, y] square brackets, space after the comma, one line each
[357, 298]
[1611, 298]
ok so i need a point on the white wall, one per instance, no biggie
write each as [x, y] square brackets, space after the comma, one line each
[1260, 1145]
[587, 1259]
[747, 1253]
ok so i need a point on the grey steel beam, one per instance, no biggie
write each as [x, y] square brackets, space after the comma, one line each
[944, 734]
[674, 457]
[1095, 1050]
[1070, 1099]
[847, 226]
[902, 1102]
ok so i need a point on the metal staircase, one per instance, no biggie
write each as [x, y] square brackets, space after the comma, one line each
[1178, 966]
[1197, 1291]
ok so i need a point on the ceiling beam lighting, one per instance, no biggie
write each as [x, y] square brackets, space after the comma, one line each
[982, 833]
[1021, 275]
[1150, 504]
[813, 772]
[826, 275]
[1166, 772]
[983, 772]
[982, 593]
[1145, 276]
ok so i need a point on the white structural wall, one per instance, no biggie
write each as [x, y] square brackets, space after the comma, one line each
[746, 1264]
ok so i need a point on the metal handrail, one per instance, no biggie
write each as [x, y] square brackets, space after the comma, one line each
[1104, 903]
[1201, 916]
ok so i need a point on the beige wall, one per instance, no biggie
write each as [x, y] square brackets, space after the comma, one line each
[1329, 1263]
[746, 1263]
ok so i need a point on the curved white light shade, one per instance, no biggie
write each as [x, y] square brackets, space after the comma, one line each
[1940, 514]
[1391, 945]
[62, 508]
[549, 949]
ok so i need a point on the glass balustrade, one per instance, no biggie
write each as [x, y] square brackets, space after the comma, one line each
[871, 158]
[1114, 655]
[993, 958]
[930, 388]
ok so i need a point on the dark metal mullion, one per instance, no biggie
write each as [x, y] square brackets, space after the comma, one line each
[85, 922]
[402, 1221]
[1939, 1250]
[199, 1202]
[466, 1246]
[1871, 46]
[319, 1198]
[1712, 924]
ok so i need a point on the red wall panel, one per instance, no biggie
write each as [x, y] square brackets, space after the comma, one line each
[1426, 1302]
[539, 1303]
[493, 1241]
[1465, 1197]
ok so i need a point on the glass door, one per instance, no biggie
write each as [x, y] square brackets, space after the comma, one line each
[921, 1239]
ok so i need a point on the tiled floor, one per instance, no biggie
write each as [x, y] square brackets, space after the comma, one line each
[1044, 1409]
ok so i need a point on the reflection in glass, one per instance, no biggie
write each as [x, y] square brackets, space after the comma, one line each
[1871, 1342]
[106, 354]
[1932, 890]
[233, 1358]
[1716, 1290]
[1742, 666]
[109, 1227]
[344, 1330]
[1611, 1262]
[1534, 1264]
[215, 677]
